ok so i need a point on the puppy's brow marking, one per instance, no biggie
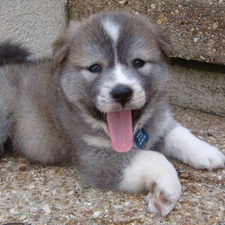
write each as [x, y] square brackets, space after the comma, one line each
[112, 29]
[120, 75]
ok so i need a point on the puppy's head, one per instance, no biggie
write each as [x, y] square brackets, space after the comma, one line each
[113, 66]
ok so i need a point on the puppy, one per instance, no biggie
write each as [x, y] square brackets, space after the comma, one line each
[100, 105]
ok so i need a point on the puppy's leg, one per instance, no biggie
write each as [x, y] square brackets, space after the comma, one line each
[151, 171]
[182, 145]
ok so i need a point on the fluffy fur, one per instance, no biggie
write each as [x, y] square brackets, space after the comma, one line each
[11, 53]
[55, 111]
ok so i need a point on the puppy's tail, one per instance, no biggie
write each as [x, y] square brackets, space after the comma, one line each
[14, 53]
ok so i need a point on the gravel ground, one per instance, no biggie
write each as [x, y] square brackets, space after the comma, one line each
[31, 194]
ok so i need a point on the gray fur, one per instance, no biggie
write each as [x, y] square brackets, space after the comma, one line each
[11, 53]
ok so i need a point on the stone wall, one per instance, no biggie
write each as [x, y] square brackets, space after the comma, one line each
[198, 85]
[34, 23]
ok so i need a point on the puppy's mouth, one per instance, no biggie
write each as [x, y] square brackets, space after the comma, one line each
[121, 128]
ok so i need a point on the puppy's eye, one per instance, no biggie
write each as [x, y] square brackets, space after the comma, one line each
[95, 68]
[138, 63]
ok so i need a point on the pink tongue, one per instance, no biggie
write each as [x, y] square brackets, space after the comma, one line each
[120, 129]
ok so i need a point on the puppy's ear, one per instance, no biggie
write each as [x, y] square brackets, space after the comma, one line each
[63, 43]
[60, 50]
[163, 40]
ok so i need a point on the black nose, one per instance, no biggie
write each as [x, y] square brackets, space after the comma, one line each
[122, 94]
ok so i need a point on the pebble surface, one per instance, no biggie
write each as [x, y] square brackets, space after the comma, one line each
[37, 195]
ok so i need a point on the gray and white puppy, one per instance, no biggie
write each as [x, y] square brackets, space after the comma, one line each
[100, 104]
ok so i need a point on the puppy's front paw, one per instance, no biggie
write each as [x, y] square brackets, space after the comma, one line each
[161, 200]
[205, 156]
[151, 171]
[184, 146]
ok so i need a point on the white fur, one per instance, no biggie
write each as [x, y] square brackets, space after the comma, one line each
[151, 171]
[184, 146]
[120, 76]
[106, 104]
[112, 29]
[31, 58]
[94, 123]
[146, 69]
[97, 142]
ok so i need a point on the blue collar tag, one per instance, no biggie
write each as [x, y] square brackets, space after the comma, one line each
[140, 137]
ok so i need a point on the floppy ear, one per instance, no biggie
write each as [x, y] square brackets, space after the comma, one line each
[163, 40]
[62, 44]
[165, 44]
[60, 50]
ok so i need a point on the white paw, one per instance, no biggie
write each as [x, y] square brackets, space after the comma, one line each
[184, 146]
[205, 156]
[151, 171]
[161, 200]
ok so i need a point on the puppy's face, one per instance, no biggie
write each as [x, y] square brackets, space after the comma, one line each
[113, 67]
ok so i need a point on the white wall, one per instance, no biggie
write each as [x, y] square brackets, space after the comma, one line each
[35, 23]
